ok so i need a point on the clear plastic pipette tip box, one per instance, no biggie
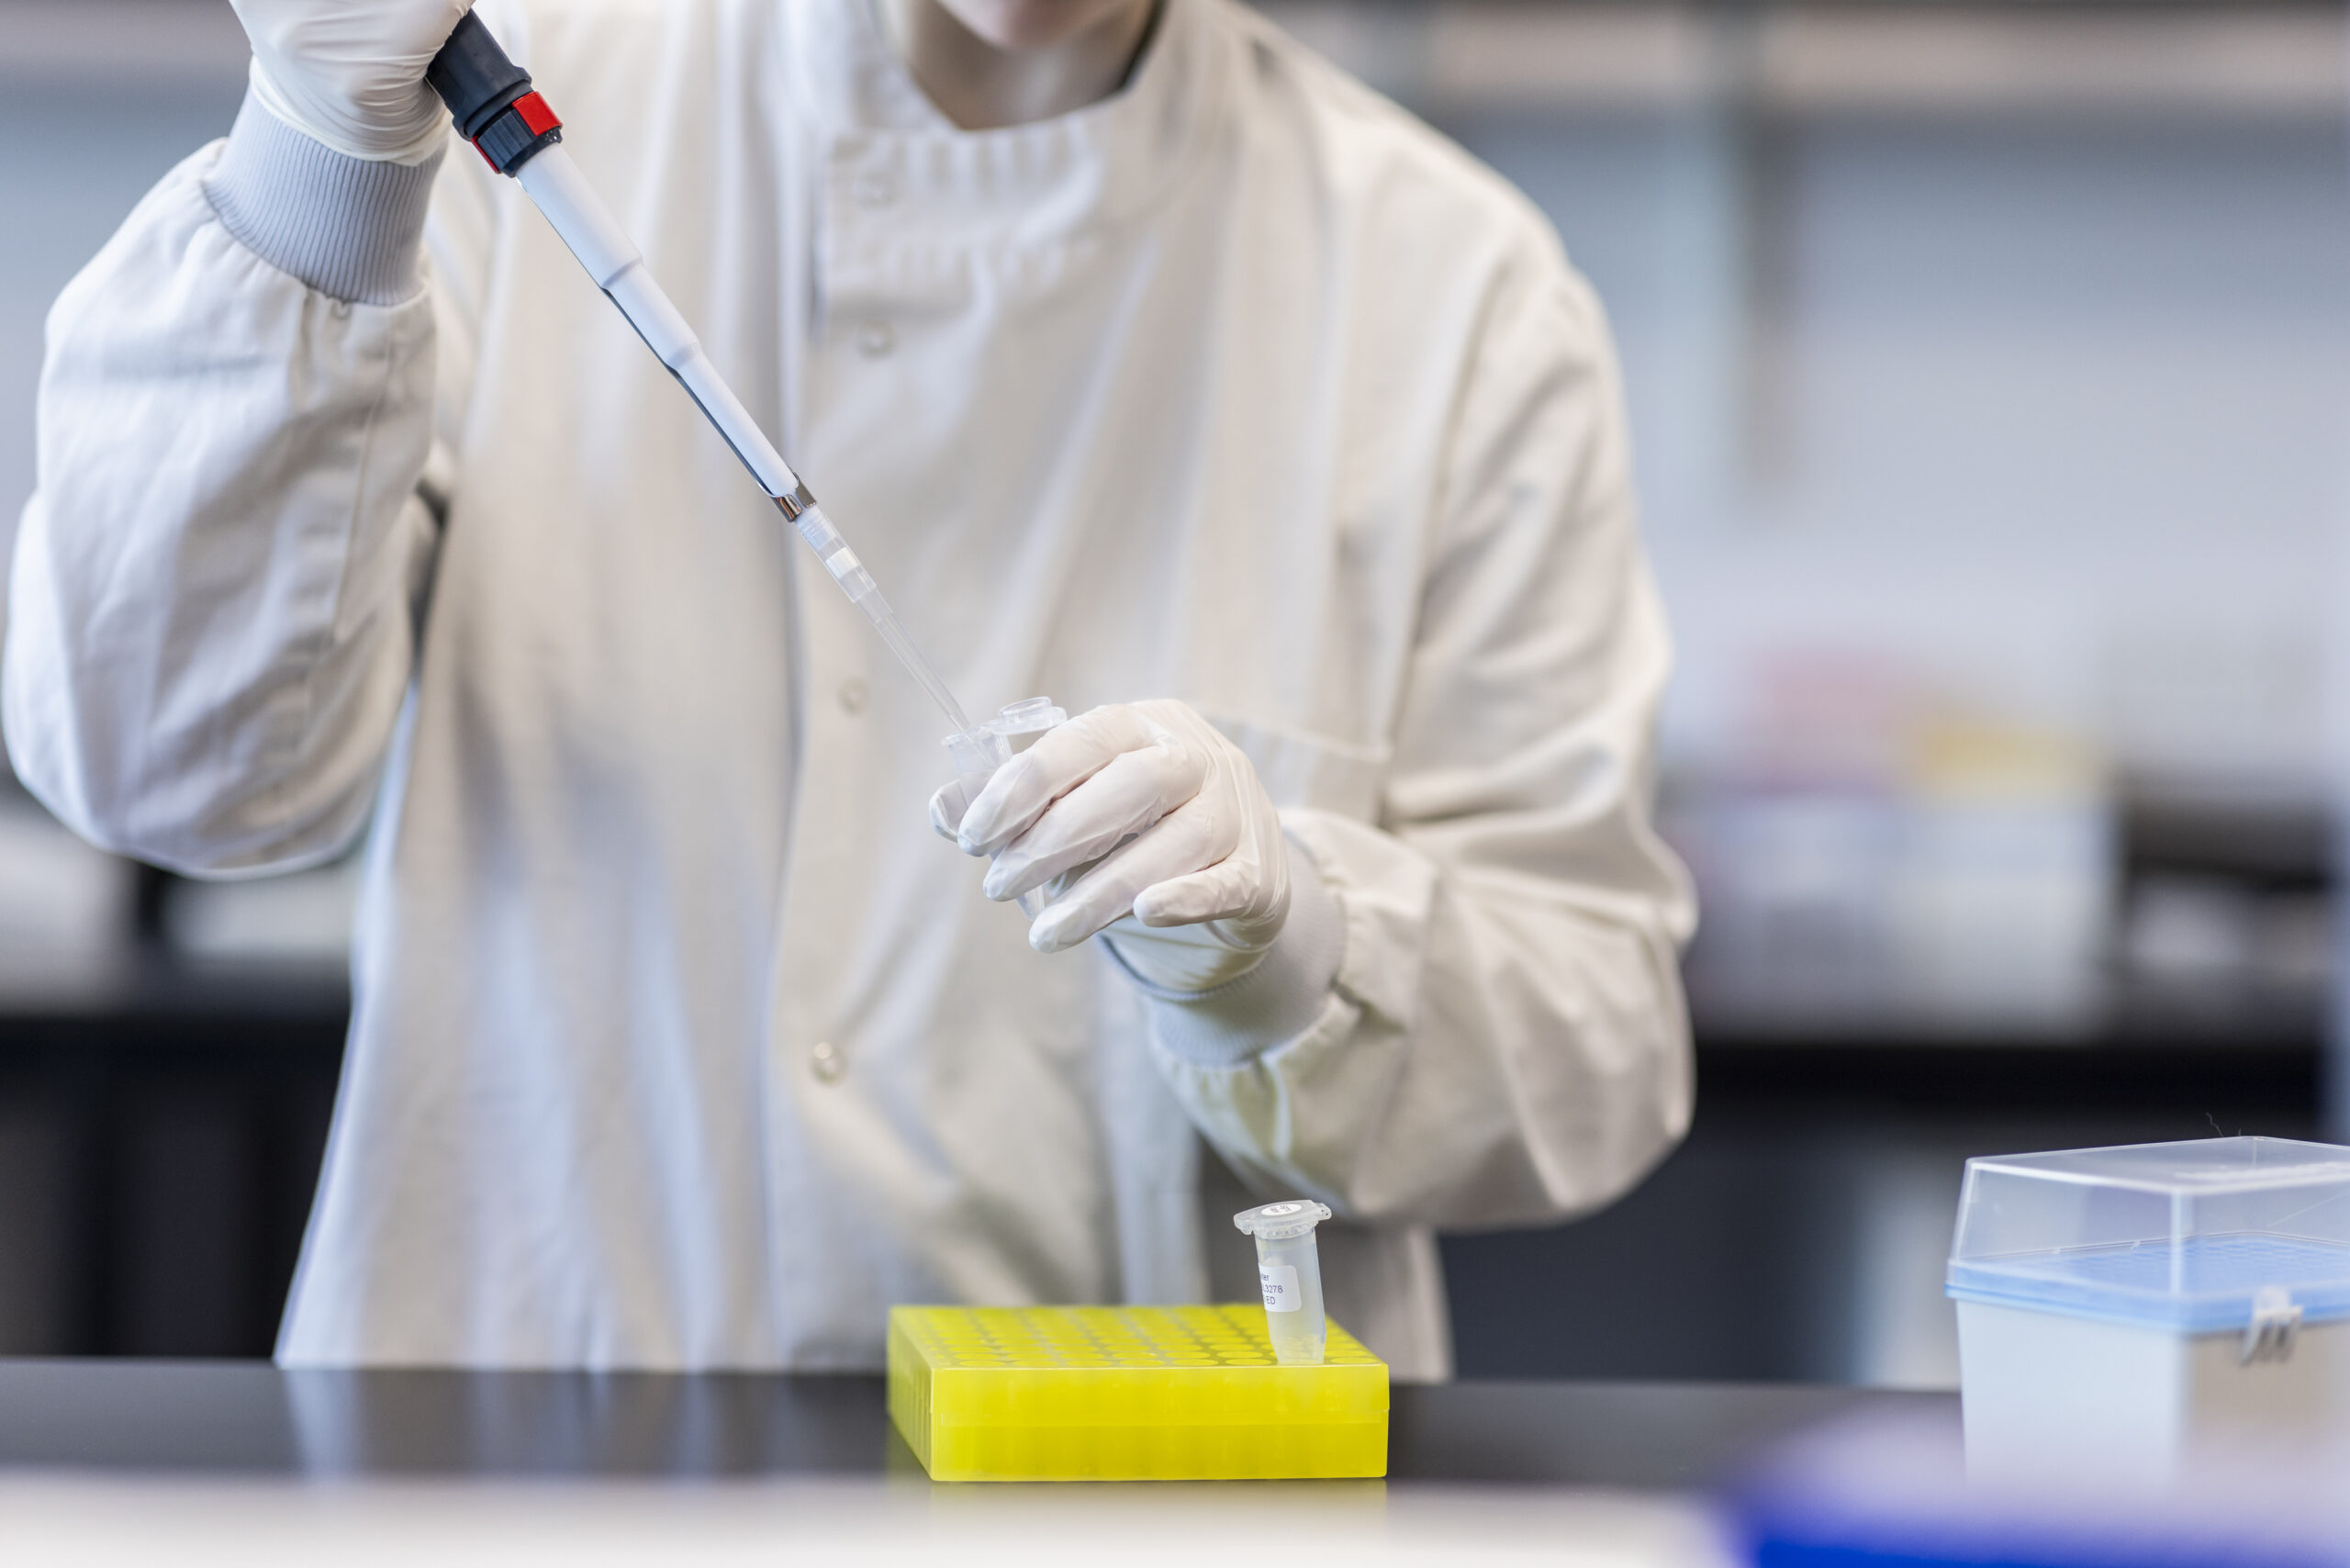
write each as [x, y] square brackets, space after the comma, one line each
[2130, 1314]
[2178, 1236]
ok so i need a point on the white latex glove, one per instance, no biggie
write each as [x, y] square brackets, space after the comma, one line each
[1186, 840]
[350, 72]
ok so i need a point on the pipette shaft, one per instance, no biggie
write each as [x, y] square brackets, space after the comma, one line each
[514, 129]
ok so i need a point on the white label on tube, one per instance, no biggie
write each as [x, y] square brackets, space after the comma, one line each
[1280, 1280]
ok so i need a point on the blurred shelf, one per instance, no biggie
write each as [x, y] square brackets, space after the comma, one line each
[166, 1003]
[2277, 838]
[1957, 57]
[2154, 1044]
[2227, 1079]
[2228, 1011]
[2157, 1058]
[1965, 59]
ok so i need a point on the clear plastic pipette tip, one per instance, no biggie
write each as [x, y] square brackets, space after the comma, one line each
[863, 592]
[885, 620]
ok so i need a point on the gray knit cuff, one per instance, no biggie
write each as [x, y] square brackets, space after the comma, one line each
[1275, 1002]
[350, 228]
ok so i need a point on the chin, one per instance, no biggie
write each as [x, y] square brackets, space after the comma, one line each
[1036, 24]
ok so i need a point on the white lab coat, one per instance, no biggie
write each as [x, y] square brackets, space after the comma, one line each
[1240, 386]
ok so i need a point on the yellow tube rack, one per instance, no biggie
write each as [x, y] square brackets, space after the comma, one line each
[1128, 1394]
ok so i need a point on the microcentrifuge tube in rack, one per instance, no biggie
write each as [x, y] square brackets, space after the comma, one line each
[1290, 1270]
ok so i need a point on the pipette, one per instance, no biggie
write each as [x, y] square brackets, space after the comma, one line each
[497, 110]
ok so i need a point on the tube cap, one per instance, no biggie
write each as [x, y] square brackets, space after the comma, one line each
[1280, 1221]
[990, 743]
[1024, 722]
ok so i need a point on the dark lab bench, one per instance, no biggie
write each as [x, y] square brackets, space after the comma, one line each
[157, 1156]
[252, 1419]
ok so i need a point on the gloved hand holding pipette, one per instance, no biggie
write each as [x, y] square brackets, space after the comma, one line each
[351, 74]
[1162, 820]
[1174, 823]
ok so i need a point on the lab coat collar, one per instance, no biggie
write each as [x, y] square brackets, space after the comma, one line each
[1042, 181]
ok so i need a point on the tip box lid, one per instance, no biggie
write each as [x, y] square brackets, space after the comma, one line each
[2179, 1235]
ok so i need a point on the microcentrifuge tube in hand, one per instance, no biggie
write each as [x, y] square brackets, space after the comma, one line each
[1290, 1272]
[976, 753]
[979, 751]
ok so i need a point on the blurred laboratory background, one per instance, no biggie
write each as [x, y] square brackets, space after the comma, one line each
[1989, 366]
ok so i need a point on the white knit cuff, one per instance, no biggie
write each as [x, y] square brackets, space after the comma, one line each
[350, 228]
[1277, 1000]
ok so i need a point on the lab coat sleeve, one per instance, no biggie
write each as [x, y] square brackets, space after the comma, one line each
[216, 586]
[1474, 1016]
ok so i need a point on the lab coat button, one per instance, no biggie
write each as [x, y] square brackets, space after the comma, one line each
[874, 190]
[827, 1062]
[874, 339]
[854, 692]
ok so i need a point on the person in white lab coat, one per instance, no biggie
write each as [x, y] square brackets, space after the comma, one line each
[1149, 362]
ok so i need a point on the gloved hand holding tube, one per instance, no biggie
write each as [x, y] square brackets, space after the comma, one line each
[1160, 817]
[349, 73]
